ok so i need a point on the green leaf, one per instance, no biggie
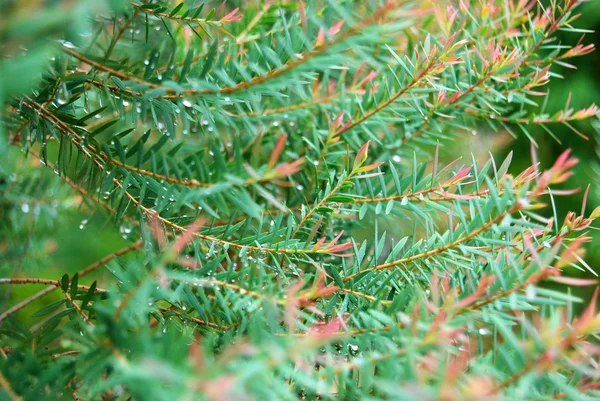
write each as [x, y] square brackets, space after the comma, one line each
[64, 282]
[49, 308]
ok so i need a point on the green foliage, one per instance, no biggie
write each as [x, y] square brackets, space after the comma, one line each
[291, 229]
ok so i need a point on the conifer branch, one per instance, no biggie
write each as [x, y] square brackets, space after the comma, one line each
[277, 247]
[424, 255]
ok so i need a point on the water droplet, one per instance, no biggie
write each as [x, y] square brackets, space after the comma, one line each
[125, 231]
[396, 158]
[262, 255]
[25, 208]
[186, 103]
[530, 293]
[68, 44]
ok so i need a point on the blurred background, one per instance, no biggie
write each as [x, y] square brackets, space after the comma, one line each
[46, 229]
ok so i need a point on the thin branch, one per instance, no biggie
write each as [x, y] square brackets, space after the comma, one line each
[186, 20]
[198, 321]
[81, 273]
[78, 141]
[55, 283]
[78, 308]
[258, 80]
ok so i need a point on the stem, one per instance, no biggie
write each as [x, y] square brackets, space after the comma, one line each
[78, 308]
[319, 204]
[78, 141]
[82, 273]
[55, 283]
[261, 79]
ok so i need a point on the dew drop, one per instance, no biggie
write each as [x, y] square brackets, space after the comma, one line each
[68, 44]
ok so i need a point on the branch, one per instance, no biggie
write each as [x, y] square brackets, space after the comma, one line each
[78, 141]
[258, 80]
[81, 273]
[55, 283]
[77, 308]
[187, 20]
[436, 251]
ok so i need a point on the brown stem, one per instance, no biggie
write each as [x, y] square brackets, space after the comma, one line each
[55, 283]
[82, 273]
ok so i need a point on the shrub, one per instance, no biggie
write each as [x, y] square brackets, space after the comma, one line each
[292, 229]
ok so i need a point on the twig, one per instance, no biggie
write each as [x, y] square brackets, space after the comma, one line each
[82, 273]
